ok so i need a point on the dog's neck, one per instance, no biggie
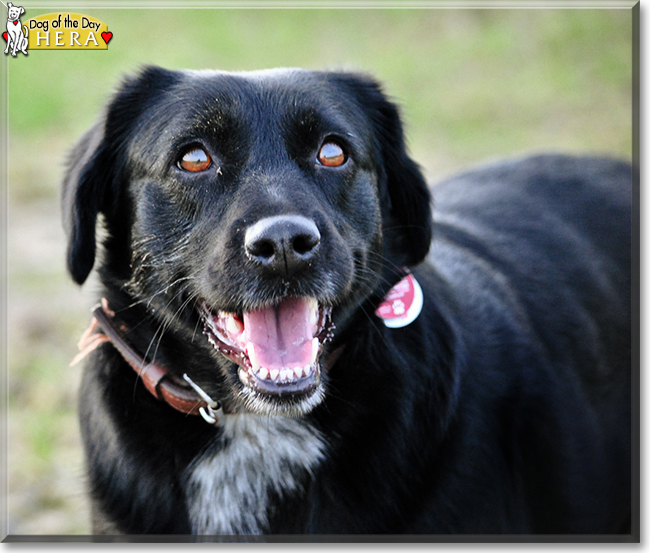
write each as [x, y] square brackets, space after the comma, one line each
[183, 395]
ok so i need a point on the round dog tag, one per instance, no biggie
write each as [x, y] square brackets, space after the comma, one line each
[402, 304]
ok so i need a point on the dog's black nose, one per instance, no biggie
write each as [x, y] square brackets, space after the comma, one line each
[284, 243]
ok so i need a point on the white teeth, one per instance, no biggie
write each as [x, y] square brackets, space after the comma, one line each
[314, 351]
[313, 311]
[286, 374]
[233, 326]
[250, 350]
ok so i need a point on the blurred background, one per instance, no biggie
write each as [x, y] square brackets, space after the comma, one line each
[474, 84]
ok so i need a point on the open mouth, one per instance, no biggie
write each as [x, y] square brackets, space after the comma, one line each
[276, 348]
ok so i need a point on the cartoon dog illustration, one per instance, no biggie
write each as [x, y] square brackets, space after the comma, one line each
[16, 39]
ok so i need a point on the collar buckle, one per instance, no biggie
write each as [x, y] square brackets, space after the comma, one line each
[213, 411]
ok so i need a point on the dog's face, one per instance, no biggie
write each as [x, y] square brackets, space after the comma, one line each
[262, 209]
[14, 12]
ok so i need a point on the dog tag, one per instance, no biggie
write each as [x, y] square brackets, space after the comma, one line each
[402, 304]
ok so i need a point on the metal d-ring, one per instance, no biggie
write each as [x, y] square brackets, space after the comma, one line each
[214, 411]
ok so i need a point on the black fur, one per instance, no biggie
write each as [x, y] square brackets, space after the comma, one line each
[503, 408]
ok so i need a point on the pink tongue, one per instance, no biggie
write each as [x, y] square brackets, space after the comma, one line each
[281, 335]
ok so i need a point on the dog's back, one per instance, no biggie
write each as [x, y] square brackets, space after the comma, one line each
[536, 257]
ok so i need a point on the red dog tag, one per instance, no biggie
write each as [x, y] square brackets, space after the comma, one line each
[402, 304]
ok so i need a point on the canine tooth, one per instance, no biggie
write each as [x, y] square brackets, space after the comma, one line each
[307, 370]
[313, 311]
[264, 373]
[314, 350]
[233, 326]
[250, 349]
[274, 374]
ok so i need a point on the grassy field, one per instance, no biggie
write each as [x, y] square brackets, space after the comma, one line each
[473, 84]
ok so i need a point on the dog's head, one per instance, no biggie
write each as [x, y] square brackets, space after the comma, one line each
[14, 12]
[259, 206]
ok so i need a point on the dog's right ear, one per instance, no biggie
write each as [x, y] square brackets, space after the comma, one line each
[83, 195]
[97, 167]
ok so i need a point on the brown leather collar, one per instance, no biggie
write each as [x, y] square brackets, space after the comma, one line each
[183, 395]
[162, 384]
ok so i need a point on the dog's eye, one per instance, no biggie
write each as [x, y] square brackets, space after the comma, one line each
[331, 155]
[195, 160]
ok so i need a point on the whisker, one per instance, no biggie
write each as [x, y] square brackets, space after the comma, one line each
[156, 340]
[149, 299]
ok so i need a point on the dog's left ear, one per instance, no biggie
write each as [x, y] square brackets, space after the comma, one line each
[407, 200]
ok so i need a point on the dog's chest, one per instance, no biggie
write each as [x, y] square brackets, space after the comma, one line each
[230, 486]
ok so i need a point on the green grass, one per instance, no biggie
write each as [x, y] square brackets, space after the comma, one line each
[473, 83]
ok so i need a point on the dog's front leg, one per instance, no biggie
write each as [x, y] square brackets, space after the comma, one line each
[15, 46]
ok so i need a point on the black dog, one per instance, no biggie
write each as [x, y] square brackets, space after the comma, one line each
[242, 380]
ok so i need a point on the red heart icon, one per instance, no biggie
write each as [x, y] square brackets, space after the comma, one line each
[107, 36]
[4, 35]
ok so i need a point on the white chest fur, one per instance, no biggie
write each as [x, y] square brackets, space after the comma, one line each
[227, 487]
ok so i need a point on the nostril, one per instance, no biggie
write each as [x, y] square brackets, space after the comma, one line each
[305, 243]
[263, 249]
